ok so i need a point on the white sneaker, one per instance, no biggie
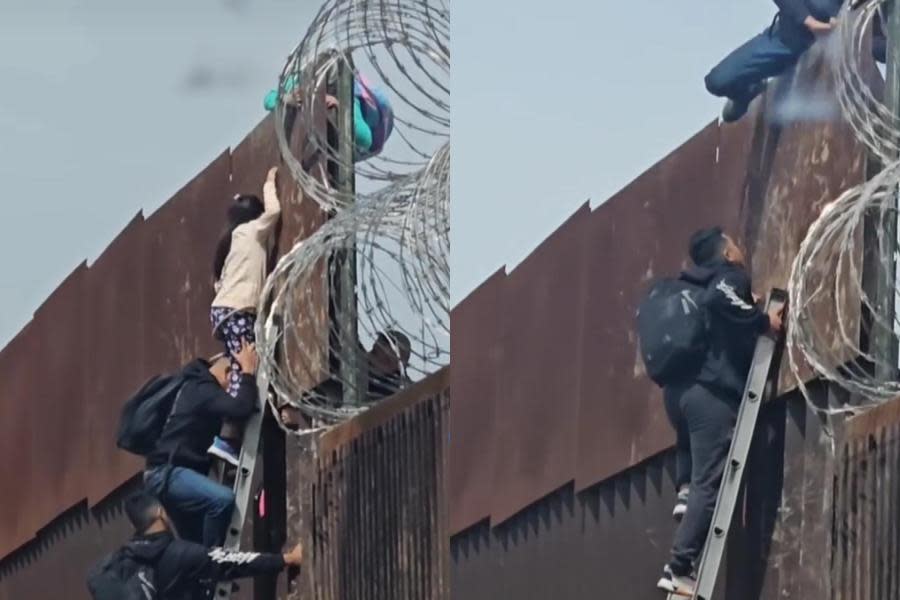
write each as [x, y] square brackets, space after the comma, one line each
[223, 450]
[680, 505]
[679, 585]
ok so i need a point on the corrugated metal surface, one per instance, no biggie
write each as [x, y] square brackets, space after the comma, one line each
[867, 508]
[574, 402]
[378, 522]
[140, 309]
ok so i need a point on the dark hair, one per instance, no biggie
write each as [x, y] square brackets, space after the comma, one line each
[245, 208]
[142, 510]
[706, 246]
[399, 339]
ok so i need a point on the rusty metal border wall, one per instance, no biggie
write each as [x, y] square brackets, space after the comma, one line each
[376, 526]
[866, 563]
[140, 309]
[548, 383]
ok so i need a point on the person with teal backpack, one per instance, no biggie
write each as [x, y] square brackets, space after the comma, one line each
[373, 115]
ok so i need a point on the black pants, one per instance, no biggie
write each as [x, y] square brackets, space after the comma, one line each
[672, 399]
[706, 419]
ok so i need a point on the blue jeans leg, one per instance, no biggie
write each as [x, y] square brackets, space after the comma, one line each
[194, 498]
[737, 75]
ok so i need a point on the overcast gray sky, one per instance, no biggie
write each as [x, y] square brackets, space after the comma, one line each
[555, 103]
[110, 106]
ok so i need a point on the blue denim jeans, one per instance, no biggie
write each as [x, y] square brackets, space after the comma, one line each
[200, 507]
[764, 56]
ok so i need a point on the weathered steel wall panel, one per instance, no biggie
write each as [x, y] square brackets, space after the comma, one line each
[574, 545]
[543, 315]
[116, 316]
[58, 403]
[179, 241]
[638, 235]
[476, 344]
[19, 376]
[867, 508]
[378, 522]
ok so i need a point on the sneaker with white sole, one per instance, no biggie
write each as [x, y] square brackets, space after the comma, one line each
[680, 505]
[222, 449]
[735, 109]
[679, 585]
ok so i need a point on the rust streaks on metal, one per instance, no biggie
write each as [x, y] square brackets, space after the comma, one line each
[378, 526]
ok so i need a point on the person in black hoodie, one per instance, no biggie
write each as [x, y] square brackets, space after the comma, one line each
[703, 406]
[741, 76]
[177, 469]
[185, 570]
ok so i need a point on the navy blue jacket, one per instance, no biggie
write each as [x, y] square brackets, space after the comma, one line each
[735, 323]
[792, 13]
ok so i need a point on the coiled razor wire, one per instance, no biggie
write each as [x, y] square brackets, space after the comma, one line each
[827, 277]
[390, 232]
[874, 124]
[294, 316]
[402, 46]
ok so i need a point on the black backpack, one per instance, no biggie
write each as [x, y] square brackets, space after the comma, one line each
[672, 330]
[120, 576]
[145, 413]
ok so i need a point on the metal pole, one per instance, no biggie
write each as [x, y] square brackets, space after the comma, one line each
[886, 341]
[351, 363]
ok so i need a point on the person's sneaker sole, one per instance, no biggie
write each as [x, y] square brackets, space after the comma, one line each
[668, 586]
[678, 513]
[215, 451]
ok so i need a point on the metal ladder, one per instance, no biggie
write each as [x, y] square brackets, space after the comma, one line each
[767, 348]
[243, 480]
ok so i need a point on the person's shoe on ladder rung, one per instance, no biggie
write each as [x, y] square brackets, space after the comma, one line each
[225, 451]
[681, 504]
[679, 585]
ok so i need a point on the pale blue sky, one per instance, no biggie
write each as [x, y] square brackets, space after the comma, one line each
[555, 103]
[109, 106]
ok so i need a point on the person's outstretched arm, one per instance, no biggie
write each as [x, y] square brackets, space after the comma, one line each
[243, 405]
[271, 205]
[216, 564]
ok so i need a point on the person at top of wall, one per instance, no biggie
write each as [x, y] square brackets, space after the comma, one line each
[742, 75]
[240, 269]
[373, 115]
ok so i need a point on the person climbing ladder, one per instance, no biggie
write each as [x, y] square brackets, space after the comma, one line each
[240, 270]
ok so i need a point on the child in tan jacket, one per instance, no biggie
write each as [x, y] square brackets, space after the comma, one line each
[240, 269]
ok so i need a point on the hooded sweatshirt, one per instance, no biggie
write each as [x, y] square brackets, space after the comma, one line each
[197, 415]
[735, 322]
[184, 568]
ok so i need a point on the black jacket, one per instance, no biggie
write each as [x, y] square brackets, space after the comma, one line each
[792, 13]
[184, 569]
[197, 417]
[735, 323]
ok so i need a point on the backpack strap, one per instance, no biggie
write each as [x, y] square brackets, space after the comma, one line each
[169, 466]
